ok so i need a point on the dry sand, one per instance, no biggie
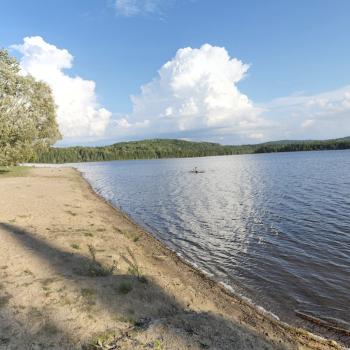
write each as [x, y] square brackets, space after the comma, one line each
[69, 266]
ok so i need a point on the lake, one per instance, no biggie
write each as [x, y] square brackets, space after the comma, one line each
[274, 227]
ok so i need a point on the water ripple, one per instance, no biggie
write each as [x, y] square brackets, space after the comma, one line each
[275, 227]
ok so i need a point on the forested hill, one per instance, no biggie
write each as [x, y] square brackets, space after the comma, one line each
[146, 149]
[169, 148]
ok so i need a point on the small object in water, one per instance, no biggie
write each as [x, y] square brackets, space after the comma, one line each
[196, 171]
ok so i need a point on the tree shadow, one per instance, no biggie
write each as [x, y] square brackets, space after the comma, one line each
[144, 309]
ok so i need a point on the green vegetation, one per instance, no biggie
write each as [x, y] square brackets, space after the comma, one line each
[157, 345]
[27, 114]
[168, 148]
[95, 268]
[104, 340]
[134, 268]
[13, 171]
[125, 288]
[309, 145]
[147, 149]
[88, 292]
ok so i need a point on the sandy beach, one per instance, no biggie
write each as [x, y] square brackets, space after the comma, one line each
[76, 273]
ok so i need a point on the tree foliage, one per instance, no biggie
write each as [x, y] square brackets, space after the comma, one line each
[165, 148]
[27, 114]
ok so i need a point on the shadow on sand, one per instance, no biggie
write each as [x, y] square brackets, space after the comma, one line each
[143, 307]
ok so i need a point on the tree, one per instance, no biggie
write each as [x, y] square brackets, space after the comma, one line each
[27, 114]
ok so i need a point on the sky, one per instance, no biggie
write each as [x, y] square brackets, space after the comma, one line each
[227, 71]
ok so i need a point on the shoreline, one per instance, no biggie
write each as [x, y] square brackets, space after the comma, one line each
[206, 276]
[309, 323]
[227, 288]
[197, 300]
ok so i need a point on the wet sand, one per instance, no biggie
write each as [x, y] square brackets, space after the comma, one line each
[76, 273]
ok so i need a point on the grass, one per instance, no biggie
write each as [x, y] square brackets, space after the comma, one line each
[130, 234]
[130, 318]
[28, 272]
[35, 313]
[134, 268]
[102, 340]
[92, 251]
[88, 234]
[117, 230]
[75, 246]
[88, 292]
[89, 296]
[125, 319]
[157, 345]
[125, 288]
[47, 281]
[50, 329]
[4, 300]
[94, 268]
[14, 171]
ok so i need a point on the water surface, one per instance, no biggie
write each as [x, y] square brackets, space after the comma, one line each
[275, 227]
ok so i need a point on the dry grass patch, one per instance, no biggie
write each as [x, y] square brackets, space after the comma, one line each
[28, 272]
[4, 300]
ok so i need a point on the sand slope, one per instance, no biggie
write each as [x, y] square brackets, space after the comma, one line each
[59, 243]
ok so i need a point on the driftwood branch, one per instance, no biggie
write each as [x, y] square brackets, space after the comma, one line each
[322, 323]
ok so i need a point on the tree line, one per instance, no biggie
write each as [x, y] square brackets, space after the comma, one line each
[169, 148]
[337, 144]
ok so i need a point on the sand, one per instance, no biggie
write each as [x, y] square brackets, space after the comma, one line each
[76, 273]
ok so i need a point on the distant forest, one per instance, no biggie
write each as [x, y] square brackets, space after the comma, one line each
[169, 148]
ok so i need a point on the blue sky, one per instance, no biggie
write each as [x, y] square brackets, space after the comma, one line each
[297, 83]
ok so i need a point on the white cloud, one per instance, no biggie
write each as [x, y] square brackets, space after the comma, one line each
[323, 115]
[78, 112]
[308, 123]
[196, 90]
[195, 95]
[256, 136]
[130, 8]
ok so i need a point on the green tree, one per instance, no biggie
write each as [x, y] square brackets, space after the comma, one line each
[27, 114]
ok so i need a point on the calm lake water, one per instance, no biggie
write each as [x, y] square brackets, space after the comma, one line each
[275, 227]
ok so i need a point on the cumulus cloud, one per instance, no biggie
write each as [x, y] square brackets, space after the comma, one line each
[130, 8]
[194, 95]
[78, 112]
[197, 90]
